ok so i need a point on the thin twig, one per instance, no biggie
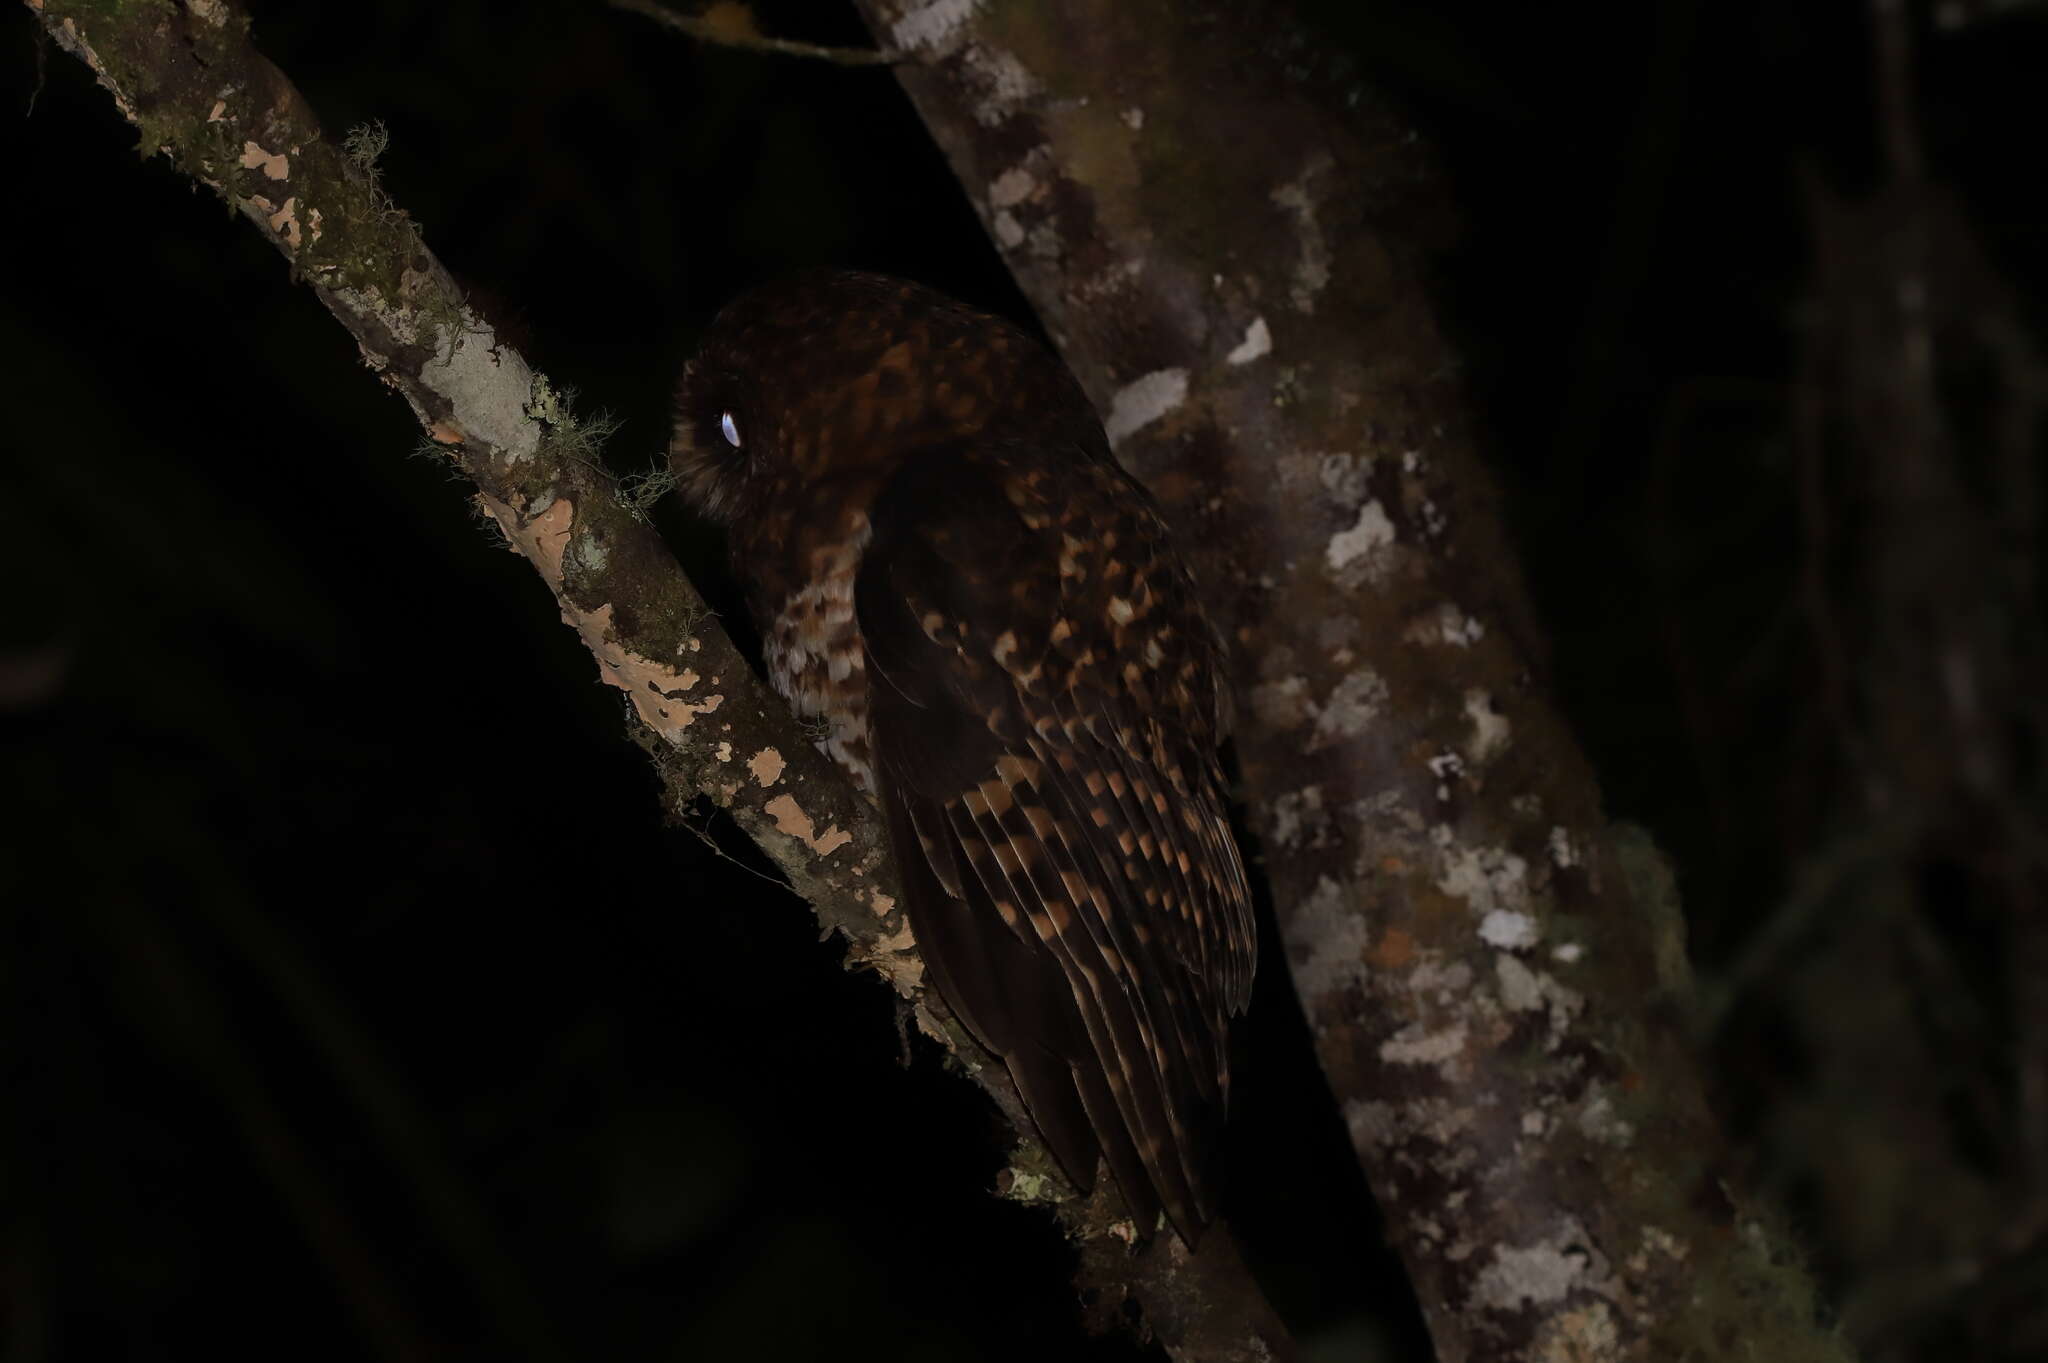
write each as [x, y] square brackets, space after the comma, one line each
[728, 24]
[701, 830]
[1816, 888]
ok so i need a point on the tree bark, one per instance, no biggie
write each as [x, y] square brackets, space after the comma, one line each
[1226, 239]
[200, 94]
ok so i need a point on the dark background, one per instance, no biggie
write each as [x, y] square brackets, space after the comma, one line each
[354, 1000]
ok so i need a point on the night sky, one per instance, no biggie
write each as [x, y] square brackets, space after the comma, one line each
[355, 998]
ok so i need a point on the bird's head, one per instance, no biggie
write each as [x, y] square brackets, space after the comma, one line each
[834, 374]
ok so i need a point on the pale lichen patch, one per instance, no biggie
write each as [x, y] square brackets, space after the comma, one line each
[1005, 80]
[895, 957]
[589, 552]
[1446, 767]
[1258, 340]
[1461, 629]
[1145, 400]
[1508, 930]
[1327, 940]
[1025, 1186]
[1352, 706]
[791, 820]
[1011, 188]
[1520, 990]
[1415, 1044]
[1531, 1275]
[1434, 522]
[1373, 1122]
[275, 165]
[1370, 1121]
[1486, 878]
[285, 222]
[767, 766]
[1364, 543]
[1490, 728]
[931, 24]
[1580, 1335]
[1300, 820]
[1448, 982]
[542, 535]
[1658, 1241]
[1599, 1122]
[654, 687]
[1446, 625]
[1525, 990]
[482, 383]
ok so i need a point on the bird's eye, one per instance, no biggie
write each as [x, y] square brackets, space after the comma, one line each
[729, 428]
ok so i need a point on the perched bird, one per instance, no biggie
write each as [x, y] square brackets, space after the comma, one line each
[953, 574]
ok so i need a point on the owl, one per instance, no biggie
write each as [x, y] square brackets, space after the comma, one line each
[988, 622]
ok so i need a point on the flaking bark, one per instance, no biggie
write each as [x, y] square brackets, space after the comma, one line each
[200, 94]
[1225, 240]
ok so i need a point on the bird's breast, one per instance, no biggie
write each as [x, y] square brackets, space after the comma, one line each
[816, 659]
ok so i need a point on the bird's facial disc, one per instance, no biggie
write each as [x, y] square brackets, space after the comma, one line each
[711, 451]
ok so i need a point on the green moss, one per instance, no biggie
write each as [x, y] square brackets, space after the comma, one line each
[1652, 887]
[638, 492]
[566, 435]
[364, 145]
[1033, 1176]
[1753, 1301]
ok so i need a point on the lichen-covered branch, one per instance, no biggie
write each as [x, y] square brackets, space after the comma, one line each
[201, 95]
[1226, 239]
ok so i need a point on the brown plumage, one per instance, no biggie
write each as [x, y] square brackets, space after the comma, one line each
[952, 572]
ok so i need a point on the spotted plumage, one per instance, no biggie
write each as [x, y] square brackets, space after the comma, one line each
[986, 615]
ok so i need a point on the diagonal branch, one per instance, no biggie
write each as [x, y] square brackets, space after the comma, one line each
[200, 94]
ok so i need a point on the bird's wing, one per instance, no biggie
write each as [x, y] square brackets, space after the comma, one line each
[1042, 692]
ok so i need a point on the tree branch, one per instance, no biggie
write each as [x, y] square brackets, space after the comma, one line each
[200, 94]
[1225, 239]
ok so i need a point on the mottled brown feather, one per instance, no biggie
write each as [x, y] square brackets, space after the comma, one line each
[952, 571]
[959, 616]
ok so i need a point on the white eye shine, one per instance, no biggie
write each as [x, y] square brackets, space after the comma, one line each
[730, 429]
